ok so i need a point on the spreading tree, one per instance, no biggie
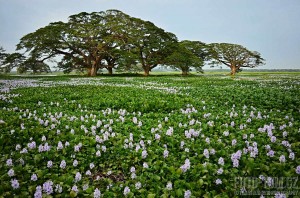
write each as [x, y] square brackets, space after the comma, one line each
[150, 44]
[187, 55]
[233, 56]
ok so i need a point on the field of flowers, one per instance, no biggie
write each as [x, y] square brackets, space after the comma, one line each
[165, 136]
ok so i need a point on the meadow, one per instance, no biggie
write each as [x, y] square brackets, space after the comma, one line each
[156, 136]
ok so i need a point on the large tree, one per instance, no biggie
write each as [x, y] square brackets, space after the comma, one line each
[98, 40]
[233, 56]
[83, 41]
[150, 44]
[188, 55]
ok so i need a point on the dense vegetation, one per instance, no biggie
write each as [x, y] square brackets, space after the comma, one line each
[147, 137]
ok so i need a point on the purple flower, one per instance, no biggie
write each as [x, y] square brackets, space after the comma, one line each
[49, 164]
[60, 145]
[34, 177]
[186, 166]
[31, 145]
[92, 165]
[270, 181]
[63, 164]
[9, 162]
[47, 187]
[88, 172]
[221, 161]
[282, 158]
[144, 154]
[166, 153]
[187, 194]
[133, 176]
[233, 142]
[220, 171]
[280, 195]
[15, 184]
[11, 172]
[97, 193]
[38, 192]
[145, 165]
[271, 153]
[169, 186]
[292, 156]
[77, 177]
[157, 136]
[126, 191]
[298, 170]
[206, 153]
[98, 153]
[273, 139]
[235, 163]
[218, 181]
[169, 131]
[75, 189]
[207, 140]
[132, 169]
[75, 163]
[85, 187]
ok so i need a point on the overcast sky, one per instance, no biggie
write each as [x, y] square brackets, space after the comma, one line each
[271, 27]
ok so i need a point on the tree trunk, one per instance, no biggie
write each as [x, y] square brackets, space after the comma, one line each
[233, 70]
[92, 71]
[110, 70]
[184, 72]
[146, 71]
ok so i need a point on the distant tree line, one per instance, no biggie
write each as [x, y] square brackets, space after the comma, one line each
[113, 40]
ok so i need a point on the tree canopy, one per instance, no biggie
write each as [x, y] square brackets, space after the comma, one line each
[233, 56]
[114, 40]
[99, 40]
[187, 55]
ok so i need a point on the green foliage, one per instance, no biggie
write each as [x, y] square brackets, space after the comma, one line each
[125, 115]
[187, 55]
[233, 56]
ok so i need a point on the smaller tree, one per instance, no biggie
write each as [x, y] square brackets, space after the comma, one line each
[13, 60]
[3, 55]
[233, 56]
[187, 55]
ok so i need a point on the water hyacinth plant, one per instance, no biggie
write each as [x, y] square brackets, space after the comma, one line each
[147, 137]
